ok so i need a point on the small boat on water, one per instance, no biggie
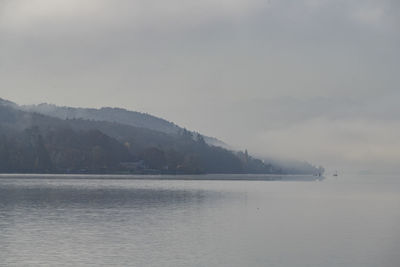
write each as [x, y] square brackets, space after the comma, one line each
[335, 173]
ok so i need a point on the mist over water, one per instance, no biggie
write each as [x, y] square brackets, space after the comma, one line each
[211, 87]
[312, 80]
[344, 221]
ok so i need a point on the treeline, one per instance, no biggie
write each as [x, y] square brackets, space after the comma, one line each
[30, 142]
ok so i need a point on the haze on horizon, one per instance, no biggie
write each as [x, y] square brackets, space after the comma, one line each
[307, 79]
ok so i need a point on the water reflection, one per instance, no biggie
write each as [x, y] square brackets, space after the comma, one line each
[71, 197]
[92, 222]
[199, 223]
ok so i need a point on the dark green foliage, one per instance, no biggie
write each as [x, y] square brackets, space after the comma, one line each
[154, 157]
[90, 150]
[30, 142]
[25, 152]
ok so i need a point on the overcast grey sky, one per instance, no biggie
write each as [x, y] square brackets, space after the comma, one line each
[308, 79]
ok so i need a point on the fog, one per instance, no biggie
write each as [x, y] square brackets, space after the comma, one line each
[307, 79]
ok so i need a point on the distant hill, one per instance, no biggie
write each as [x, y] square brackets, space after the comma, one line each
[119, 115]
[32, 142]
[82, 141]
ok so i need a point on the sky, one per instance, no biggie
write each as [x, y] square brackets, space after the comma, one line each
[315, 80]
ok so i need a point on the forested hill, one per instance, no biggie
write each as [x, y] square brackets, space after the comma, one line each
[35, 143]
[119, 115]
[31, 142]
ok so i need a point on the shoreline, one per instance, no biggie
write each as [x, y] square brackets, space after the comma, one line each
[187, 177]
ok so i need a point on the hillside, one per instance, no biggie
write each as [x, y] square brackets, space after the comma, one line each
[32, 142]
[118, 115]
[78, 140]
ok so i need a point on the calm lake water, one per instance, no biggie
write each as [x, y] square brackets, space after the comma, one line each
[339, 221]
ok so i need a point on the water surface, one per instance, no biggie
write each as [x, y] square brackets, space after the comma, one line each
[343, 221]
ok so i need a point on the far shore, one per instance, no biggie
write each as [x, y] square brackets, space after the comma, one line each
[220, 177]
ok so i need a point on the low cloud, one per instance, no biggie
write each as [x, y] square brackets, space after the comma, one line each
[313, 80]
